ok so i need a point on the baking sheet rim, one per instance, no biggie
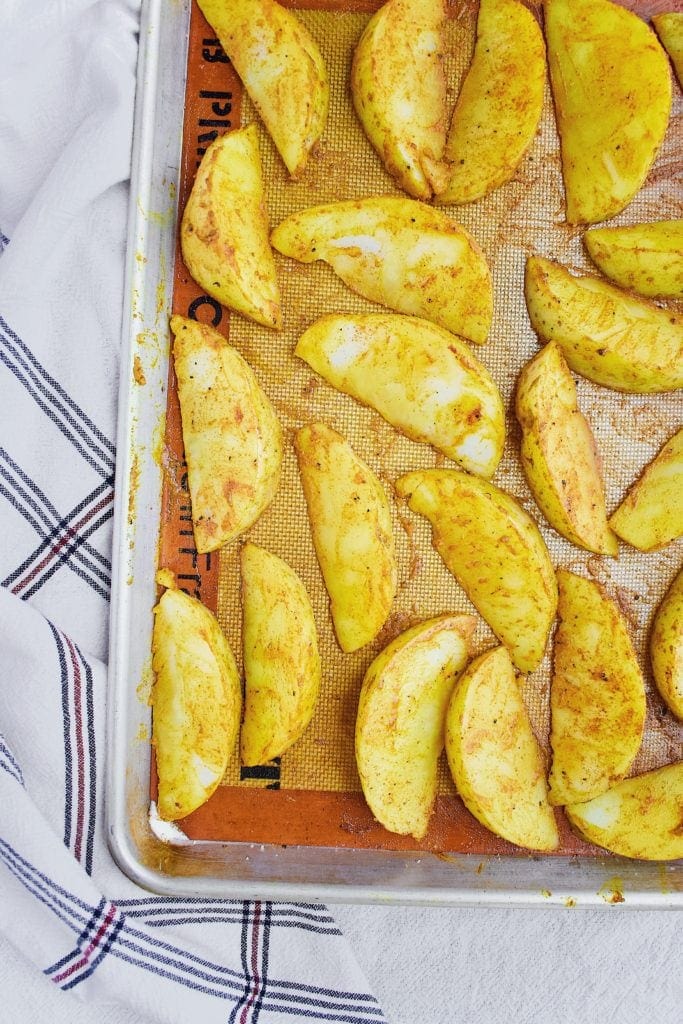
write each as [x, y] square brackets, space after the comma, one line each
[468, 879]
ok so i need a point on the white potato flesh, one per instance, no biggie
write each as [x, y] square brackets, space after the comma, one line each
[609, 131]
[669, 28]
[605, 333]
[224, 229]
[282, 69]
[651, 514]
[196, 701]
[496, 553]
[281, 659]
[419, 377]
[400, 721]
[494, 756]
[597, 694]
[666, 647]
[350, 521]
[400, 253]
[399, 92]
[500, 103]
[641, 817]
[232, 437]
[559, 456]
[647, 258]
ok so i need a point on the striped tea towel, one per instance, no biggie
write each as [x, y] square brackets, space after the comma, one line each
[66, 98]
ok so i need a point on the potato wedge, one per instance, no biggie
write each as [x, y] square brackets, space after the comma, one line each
[500, 103]
[609, 131]
[232, 438]
[281, 660]
[351, 526]
[597, 694]
[494, 550]
[494, 756]
[647, 258]
[669, 28]
[651, 514]
[400, 253]
[666, 647]
[419, 377]
[398, 88]
[281, 68]
[400, 721]
[224, 229]
[605, 334]
[558, 452]
[641, 817]
[197, 701]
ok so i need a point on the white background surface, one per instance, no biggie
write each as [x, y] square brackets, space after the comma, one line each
[454, 966]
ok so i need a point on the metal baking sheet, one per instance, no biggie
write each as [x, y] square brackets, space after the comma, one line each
[333, 849]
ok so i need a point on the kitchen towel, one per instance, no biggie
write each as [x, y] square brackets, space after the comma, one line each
[67, 82]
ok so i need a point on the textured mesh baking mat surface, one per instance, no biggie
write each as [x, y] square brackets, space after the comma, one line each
[312, 794]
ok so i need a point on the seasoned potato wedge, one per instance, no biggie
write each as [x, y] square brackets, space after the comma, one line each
[400, 253]
[422, 379]
[666, 647]
[641, 817]
[609, 131]
[351, 526]
[651, 514]
[400, 722]
[494, 550]
[605, 334]
[281, 659]
[281, 68]
[558, 452]
[669, 28]
[197, 701]
[224, 229]
[494, 757]
[597, 694]
[398, 87]
[232, 438]
[500, 102]
[647, 258]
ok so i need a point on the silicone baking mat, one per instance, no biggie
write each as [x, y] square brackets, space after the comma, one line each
[312, 794]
